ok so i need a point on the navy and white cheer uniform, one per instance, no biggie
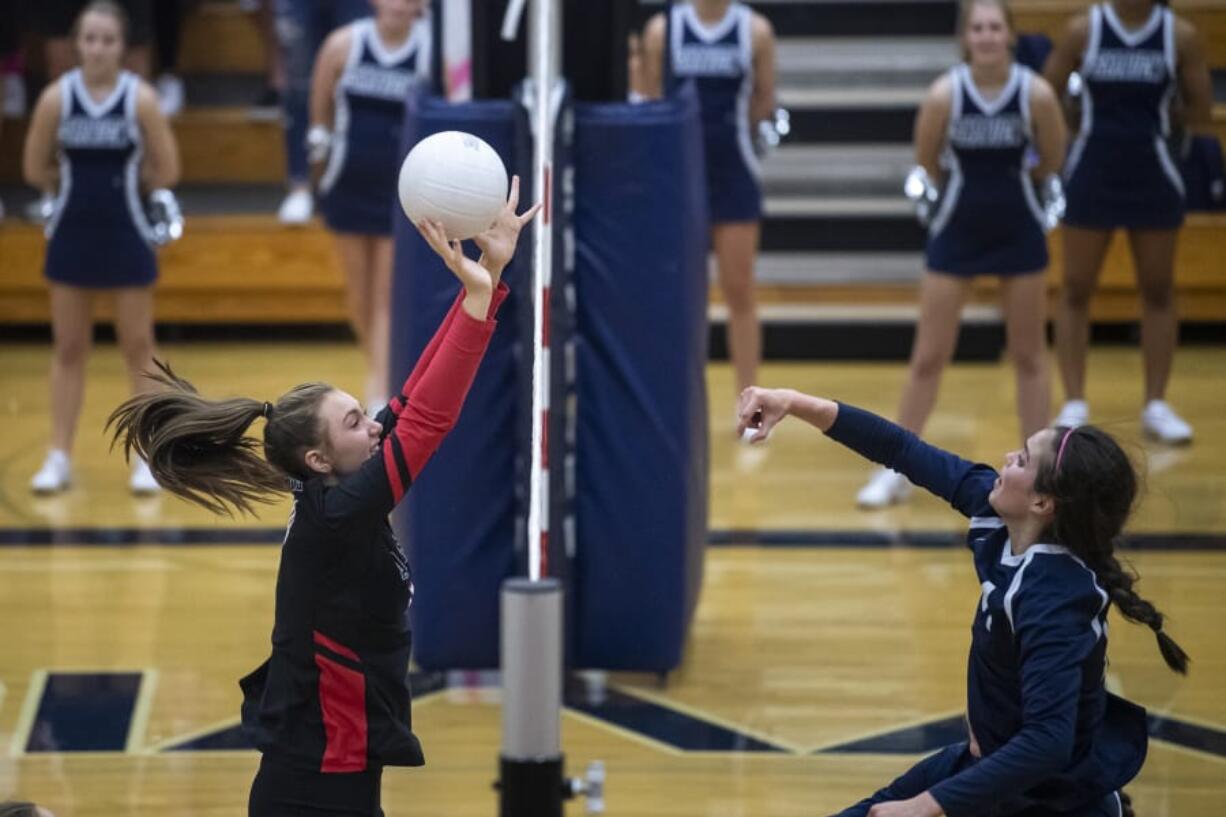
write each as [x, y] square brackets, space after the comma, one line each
[989, 221]
[359, 182]
[98, 236]
[719, 59]
[1052, 740]
[1119, 171]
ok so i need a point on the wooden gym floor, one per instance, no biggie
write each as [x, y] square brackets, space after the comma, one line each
[815, 670]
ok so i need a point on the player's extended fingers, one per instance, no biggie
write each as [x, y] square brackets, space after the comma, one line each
[764, 424]
[457, 252]
[433, 237]
[529, 214]
[749, 403]
[745, 420]
[513, 199]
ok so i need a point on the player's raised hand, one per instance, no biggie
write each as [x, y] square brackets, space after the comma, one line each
[478, 281]
[761, 410]
[498, 242]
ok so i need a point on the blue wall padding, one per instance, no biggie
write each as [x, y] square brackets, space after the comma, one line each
[458, 520]
[641, 281]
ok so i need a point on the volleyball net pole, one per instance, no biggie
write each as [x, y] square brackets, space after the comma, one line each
[544, 99]
[531, 779]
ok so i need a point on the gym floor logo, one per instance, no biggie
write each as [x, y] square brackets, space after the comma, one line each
[107, 712]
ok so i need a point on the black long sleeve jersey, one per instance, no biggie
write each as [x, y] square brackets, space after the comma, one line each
[334, 695]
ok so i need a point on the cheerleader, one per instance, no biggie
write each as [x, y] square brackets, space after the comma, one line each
[99, 141]
[362, 79]
[1133, 57]
[728, 51]
[989, 137]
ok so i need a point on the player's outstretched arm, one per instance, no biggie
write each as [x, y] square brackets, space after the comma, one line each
[962, 483]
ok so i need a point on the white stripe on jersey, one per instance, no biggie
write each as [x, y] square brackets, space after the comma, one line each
[1133, 38]
[953, 185]
[87, 102]
[1002, 99]
[1032, 200]
[1008, 558]
[1016, 584]
[1095, 624]
[1168, 41]
[132, 171]
[1168, 165]
[745, 94]
[340, 125]
[1088, 58]
[61, 197]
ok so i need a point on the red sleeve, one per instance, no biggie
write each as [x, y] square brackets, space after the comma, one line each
[416, 426]
[437, 395]
[423, 363]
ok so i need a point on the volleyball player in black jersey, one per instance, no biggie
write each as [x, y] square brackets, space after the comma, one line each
[330, 707]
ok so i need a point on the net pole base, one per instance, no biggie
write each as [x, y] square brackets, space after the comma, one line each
[531, 788]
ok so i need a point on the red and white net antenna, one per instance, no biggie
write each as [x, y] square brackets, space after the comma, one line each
[544, 62]
[457, 50]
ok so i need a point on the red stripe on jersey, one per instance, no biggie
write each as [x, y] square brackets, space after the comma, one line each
[336, 647]
[342, 699]
[393, 472]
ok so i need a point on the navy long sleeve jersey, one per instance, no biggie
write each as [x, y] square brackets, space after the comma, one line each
[334, 695]
[1048, 731]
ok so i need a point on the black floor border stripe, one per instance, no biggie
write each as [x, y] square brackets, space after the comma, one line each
[790, 538]
[125, 537]
[813, 538]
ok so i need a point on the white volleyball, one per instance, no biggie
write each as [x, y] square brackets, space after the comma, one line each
[454, 178]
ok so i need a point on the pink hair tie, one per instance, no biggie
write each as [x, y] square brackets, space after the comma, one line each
[1060, 452]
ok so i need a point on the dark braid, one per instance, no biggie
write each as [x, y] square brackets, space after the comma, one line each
[1118, 581]
[1094, 486]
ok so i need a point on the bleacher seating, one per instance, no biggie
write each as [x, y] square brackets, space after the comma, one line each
[240, 266]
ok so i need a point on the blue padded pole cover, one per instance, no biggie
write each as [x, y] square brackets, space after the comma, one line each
[641, 290]
[458, 522]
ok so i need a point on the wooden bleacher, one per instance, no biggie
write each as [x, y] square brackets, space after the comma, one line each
[250, 269]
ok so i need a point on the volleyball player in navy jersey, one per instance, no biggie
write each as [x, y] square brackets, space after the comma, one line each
[362, 78]
[99, 141]
[975, 135]
[1045, 737]
[729, 52]
[331, 707]
[1133, 57]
